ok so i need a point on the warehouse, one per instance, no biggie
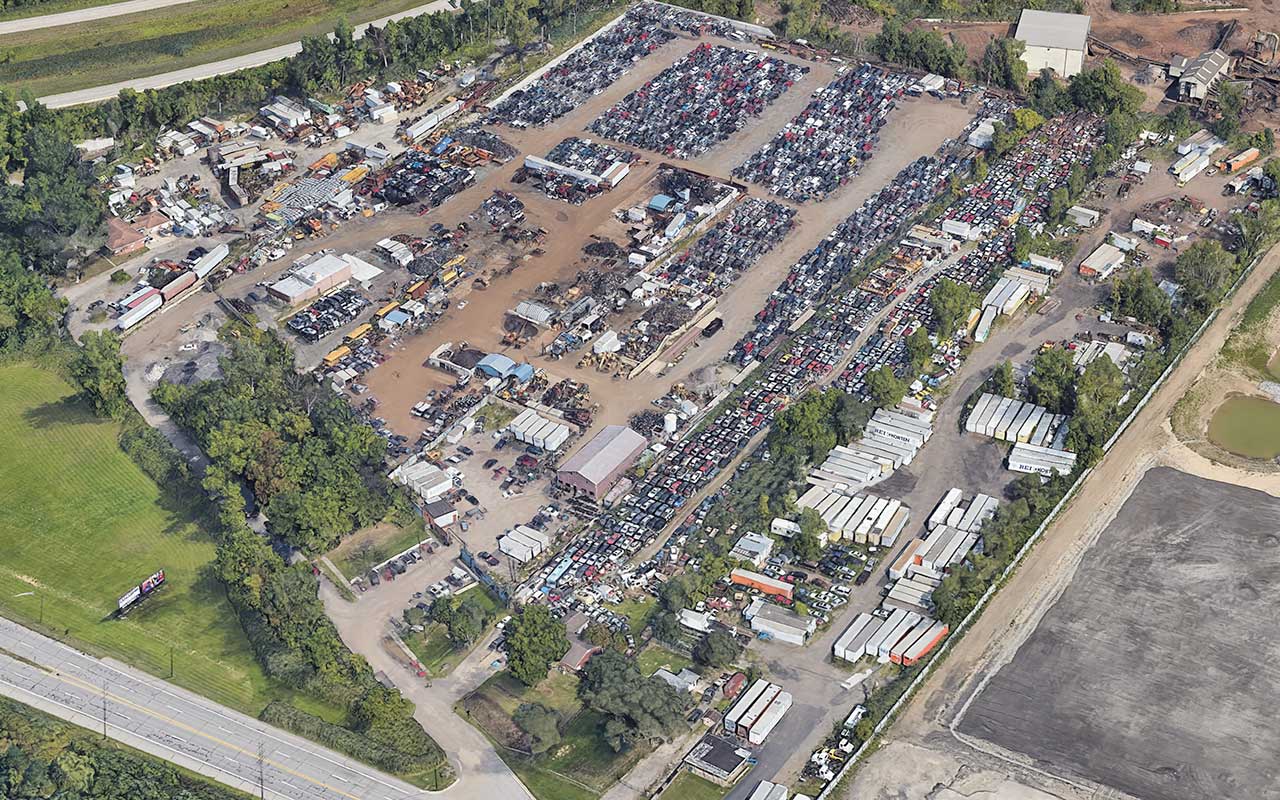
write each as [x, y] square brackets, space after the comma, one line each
[779, 623]
[307, 281]
[598, 465]
[1055, 41]
[1202, 73]
[754, 548]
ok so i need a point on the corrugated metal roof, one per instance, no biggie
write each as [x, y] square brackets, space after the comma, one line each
[605, 452]
[1053, 29]
[1206, 68]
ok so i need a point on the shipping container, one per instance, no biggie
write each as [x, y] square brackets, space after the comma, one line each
[753, 714]
[139, 312]
[184, 281]
[739, 708]
[770, 718]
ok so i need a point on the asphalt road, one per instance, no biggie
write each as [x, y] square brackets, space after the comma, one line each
[99, 93]
[85, 15]
[178, 726]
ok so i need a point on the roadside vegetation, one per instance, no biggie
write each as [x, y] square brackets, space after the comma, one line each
[41, 757]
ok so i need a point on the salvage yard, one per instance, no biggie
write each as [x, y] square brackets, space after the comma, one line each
[1145, 674]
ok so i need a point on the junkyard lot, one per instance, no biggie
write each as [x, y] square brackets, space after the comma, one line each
[1149, 674]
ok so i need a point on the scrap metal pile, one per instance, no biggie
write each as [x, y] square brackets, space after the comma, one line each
[695, 461]
[825, 144]
[476, 135]
[712, 263]
[424, 178]
[1019, 183]
[594, 165]
[327, 314]
[698, 102]
[587, 71]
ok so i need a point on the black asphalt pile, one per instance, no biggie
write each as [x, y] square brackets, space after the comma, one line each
[587, 71]
[825, 144]
[698, 102]
[712, 263]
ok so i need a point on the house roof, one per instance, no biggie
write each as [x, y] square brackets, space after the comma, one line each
[1053, 29]
[121, 234]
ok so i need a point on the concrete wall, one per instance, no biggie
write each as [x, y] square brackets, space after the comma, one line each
[1064, 62]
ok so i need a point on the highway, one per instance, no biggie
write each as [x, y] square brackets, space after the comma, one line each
[97, 94]
[85, 15]
[173, 724]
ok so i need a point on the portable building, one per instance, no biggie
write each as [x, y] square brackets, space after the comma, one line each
[1045, 264]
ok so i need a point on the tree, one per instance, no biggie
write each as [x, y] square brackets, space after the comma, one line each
[951, 303]
[1231, 106]
[540, 724]
[1204, 270]
[97, 368]
[1001, 380]
[1059, 202]
[535, 641]
[1048, 97]
[1022, 243]
[716, 649]
[1104, 90]
[1002, 64]
[886, 389]
[1136, 295]
[638, 708]
[1051, 380]
[1097, 398]
[1259, 231]
[807, 544]
[919, 348]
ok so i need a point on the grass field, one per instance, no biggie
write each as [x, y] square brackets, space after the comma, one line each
[93, 53]
[655, 656]
[82, 524]
[433, 648]
[688, 786]
[373, 545]
[582, 766]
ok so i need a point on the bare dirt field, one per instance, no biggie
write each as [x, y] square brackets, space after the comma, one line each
[1151, 673]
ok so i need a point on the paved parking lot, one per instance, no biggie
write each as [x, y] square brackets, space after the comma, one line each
[1153, 672]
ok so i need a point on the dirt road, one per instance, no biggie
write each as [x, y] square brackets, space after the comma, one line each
[914, 739]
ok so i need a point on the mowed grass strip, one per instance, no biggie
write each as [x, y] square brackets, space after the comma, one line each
[87, 54]
[82, 524]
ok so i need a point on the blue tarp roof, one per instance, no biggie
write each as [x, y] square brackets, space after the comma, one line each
[397, 317]
[661, 202]
[523, 372]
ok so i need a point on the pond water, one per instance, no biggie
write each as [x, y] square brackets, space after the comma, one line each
[1247, 426]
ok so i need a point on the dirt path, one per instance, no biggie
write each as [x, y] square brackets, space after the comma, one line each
[1011, 612]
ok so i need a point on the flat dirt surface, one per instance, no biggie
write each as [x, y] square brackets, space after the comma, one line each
[1150, 674]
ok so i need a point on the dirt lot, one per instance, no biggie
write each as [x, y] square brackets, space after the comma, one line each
[1149, 674]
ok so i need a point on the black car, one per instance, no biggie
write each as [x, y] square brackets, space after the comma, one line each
[489, 464]
[374, 577]
[862, 578]
[466, 451]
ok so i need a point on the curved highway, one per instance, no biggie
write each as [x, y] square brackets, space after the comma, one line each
[99, 93]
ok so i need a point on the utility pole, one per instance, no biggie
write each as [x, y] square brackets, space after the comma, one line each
[262, 777]
[104, 709]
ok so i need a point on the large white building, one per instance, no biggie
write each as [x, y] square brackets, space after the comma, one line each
[1053, 40]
